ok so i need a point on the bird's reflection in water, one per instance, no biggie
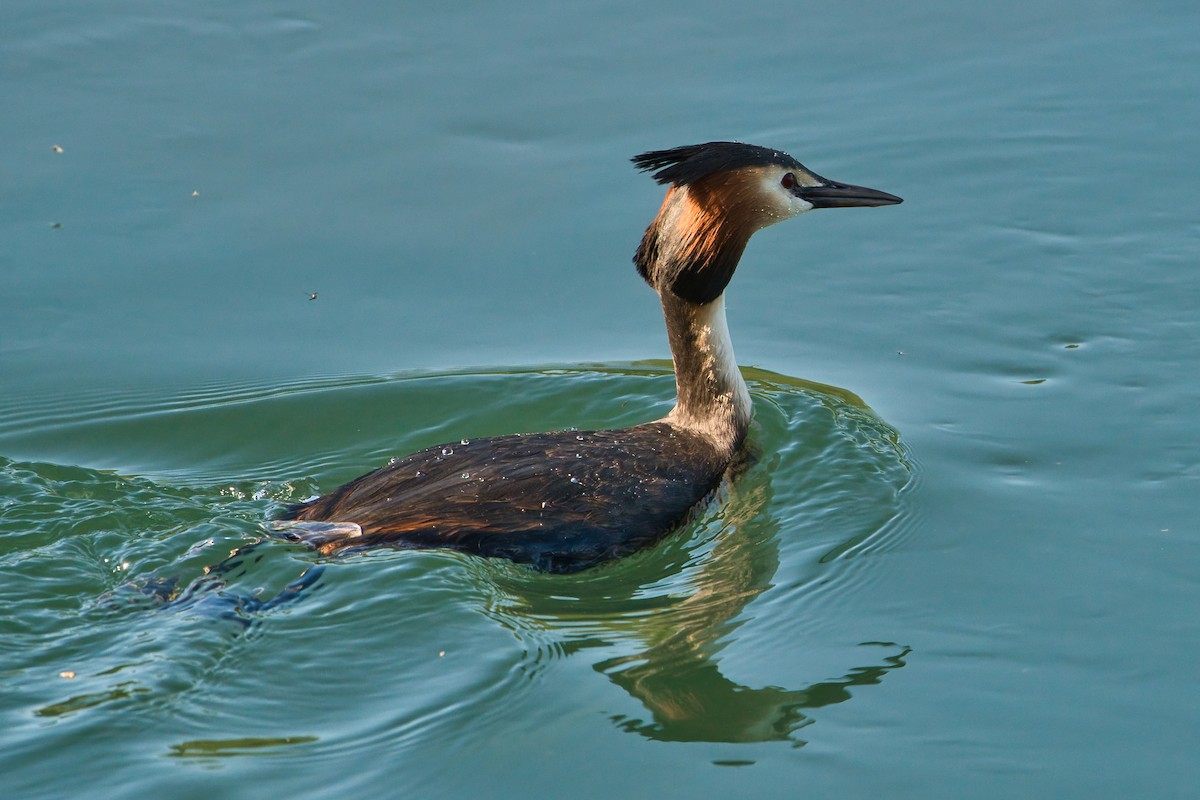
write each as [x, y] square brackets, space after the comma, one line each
[694, 702]
[670, 613]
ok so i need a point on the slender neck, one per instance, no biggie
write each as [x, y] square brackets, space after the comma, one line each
[712, 397]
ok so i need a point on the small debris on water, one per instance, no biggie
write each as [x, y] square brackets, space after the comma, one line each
[58, 149]
[312, 295]
[199, 546]
[66, 674]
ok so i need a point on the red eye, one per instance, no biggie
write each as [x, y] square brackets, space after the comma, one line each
[788, 181]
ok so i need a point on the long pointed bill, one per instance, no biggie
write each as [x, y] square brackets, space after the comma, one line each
[843, 195]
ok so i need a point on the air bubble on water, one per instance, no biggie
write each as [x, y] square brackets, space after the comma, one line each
[574, 480]
[420, 474]
[577, 455]
[466, 475]
[579, 438]
[447, 451]
[465, 441]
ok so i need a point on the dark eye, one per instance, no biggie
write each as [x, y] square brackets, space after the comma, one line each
[788, 181]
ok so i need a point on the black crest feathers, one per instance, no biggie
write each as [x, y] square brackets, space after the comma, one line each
[680, 166]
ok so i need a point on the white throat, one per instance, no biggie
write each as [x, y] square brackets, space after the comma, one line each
[712, 397]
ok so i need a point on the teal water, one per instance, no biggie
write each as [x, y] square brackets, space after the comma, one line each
[978, 578]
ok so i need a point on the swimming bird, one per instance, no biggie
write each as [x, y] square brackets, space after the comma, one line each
[568, 500]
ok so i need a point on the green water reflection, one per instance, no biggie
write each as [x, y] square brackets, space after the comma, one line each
[671, 615]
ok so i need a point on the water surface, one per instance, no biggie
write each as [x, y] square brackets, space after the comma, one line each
[254, 251]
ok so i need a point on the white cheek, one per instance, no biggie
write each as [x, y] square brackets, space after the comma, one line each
[782, 204]
[786, 206]
[799, 205]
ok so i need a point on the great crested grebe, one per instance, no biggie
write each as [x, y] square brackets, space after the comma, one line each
[567, 500]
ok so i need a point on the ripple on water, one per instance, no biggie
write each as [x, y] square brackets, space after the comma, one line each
[88, 556]
[112, 576]
[824, 489]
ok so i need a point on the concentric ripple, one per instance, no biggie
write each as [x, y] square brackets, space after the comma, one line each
[142, 592]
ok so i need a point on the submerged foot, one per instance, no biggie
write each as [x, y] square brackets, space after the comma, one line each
[313, 533]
